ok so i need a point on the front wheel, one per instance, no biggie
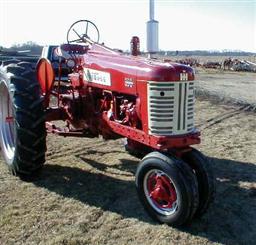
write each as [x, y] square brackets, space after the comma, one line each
[202, 168]
[167, 189]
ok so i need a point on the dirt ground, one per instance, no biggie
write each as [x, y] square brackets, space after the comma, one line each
[216, 58]
[228, 86]
[86, 192]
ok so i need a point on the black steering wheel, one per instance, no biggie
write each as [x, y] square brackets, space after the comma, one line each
[83, 31]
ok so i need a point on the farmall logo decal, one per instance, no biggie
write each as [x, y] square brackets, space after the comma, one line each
[184, 76]
[95, 76]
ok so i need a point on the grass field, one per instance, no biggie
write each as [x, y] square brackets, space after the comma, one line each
[86, 192]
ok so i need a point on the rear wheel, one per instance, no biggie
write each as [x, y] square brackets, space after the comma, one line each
[22, 124]
[167, 189]
[203, 170]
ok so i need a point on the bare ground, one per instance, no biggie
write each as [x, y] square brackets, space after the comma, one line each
[86, 192]
[227, 86]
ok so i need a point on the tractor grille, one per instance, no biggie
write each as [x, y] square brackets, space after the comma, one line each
[171, 107]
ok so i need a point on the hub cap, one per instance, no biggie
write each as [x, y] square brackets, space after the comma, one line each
[6, 124]
[160, 192]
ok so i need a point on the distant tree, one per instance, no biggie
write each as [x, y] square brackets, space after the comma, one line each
[34, 48]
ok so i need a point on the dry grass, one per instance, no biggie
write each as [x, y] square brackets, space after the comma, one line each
[214, 58]
[227, 86]
[86, 193]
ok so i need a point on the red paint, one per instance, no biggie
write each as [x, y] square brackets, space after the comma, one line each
[135, 46]
[45, 75]
[9, 119]
[157, 142]
[161, 190]
[118, 106]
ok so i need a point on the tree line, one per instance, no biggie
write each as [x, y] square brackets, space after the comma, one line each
[36, 49]
[30, 47]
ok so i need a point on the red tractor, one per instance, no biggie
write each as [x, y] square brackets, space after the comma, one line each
[114, 95]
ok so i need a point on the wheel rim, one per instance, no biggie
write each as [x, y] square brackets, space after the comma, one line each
[160, 192]
[6, 124]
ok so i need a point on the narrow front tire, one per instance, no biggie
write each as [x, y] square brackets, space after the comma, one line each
[167, 189]
[202, 168]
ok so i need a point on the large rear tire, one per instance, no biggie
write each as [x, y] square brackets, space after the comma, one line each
[167, 189]
[22, 121]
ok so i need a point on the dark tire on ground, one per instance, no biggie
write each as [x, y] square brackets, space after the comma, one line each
[22, 120]
[10, 61]
[167, 189]
[204, 173]
[136, 149]
[28, 65]
[132, 151]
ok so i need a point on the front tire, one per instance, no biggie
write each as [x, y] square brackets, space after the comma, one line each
[22, 122]
[167, 189]
[204, 173]
[135, 148]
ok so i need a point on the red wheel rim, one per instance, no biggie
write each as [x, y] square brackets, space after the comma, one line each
[160, 191]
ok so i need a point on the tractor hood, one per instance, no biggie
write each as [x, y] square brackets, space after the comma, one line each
[103, 58]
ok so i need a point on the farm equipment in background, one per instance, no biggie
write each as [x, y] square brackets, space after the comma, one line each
[212, 65]
[10, 56]
[239, 65]
[114, 95]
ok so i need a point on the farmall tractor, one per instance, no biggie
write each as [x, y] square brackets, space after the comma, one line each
[113, 95]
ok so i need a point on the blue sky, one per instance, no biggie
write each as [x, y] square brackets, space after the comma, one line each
[183, 25]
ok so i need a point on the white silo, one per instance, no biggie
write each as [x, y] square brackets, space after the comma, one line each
[152, 30]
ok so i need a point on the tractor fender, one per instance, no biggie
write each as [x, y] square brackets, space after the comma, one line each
[45, 75]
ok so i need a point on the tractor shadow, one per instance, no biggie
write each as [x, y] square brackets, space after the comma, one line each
[230, 219]
[96, 188]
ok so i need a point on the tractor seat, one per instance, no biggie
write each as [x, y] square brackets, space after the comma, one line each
[68, 50]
